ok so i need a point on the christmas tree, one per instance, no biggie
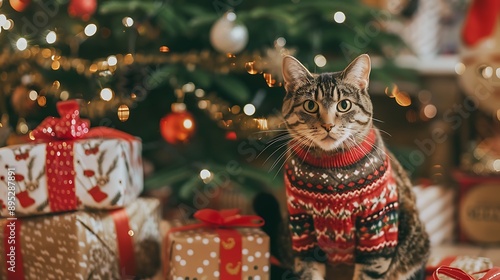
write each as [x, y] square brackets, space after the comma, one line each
[198, 81]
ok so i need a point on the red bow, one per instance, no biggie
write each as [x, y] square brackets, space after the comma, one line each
[458, 274]
[227, 218]
[70, 127]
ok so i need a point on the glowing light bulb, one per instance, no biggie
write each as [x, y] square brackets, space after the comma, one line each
[199, 93]
[64, 95]
[21, 44]
[249, 109]
[430, 111]
[106, 94]
[90, 29]
[205, 174]
[320, 60]
[339, 17]
[51, 37]
[231, 16]
[487, 72]
[123, 112]
[112, 61]
[3, 19]
[8, 24]
[128, 21]
[281, 42]
[460, 68]
[33, 95]
[187, 123]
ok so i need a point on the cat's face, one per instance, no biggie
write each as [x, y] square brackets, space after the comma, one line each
[330, 111]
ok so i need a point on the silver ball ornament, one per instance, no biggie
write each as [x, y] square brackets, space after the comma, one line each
[227, 36]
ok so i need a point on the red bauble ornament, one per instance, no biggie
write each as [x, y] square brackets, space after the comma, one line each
[178, 126]
[83, 9]
[19, 5]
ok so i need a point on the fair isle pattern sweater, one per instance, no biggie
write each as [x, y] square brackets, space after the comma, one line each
[344, 204]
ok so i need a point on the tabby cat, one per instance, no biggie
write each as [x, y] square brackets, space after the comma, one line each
[349, 200]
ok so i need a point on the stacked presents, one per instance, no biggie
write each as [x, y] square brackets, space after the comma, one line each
[69, 204]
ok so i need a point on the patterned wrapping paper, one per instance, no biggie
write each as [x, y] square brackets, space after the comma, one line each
[69, 175]
[196, 254]
[469, 264]
[86, 245]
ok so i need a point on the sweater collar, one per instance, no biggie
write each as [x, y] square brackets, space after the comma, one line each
[339, 159]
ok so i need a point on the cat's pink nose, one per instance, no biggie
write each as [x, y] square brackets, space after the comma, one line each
[327, 126]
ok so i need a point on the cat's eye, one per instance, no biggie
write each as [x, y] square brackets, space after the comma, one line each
[311, 106]
[344, 105]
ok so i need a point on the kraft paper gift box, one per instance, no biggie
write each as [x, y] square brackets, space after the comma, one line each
[469, 264]
[478, 215]
[116, 244]
[77, 168]
[216, 251]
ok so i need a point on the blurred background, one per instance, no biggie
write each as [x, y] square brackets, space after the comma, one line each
[200, 83]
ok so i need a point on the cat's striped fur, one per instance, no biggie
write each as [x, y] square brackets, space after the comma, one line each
[331, 113]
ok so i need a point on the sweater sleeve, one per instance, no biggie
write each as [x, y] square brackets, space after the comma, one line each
[301, 224]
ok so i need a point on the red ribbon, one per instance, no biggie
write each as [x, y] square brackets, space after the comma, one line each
[13, 258]
[227, 218]
[125, 243]
[59, 133]
[71, 127]
[224, 222]
[458, 274]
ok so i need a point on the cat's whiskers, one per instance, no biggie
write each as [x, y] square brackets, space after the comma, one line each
[299, 138]
[377, 120]
[289, 151]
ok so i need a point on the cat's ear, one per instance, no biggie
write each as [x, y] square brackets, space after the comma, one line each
[294, 74]
[358, 72]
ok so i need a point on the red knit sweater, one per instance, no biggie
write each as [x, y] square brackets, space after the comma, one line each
[344, 204]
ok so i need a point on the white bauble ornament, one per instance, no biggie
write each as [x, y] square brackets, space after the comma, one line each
[227, 36]
[480, 72]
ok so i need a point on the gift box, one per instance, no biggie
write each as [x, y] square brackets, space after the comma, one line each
[479, 209]
[116, 244]
[436, 207]
[223, 246]
[76, 168]
[468, 264]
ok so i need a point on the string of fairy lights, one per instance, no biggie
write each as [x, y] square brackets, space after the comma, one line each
[51, 58]
[231, 117]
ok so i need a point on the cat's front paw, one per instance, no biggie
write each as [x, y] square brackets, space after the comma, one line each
[310, 270]
[315, 275]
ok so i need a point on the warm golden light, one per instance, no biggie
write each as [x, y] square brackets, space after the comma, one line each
[128, 59]
[430, 111]
[64, 95]
[460, 68]
[123, 113]
[128, 21]
[235, 109]
[320, 60]
[250, 67]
